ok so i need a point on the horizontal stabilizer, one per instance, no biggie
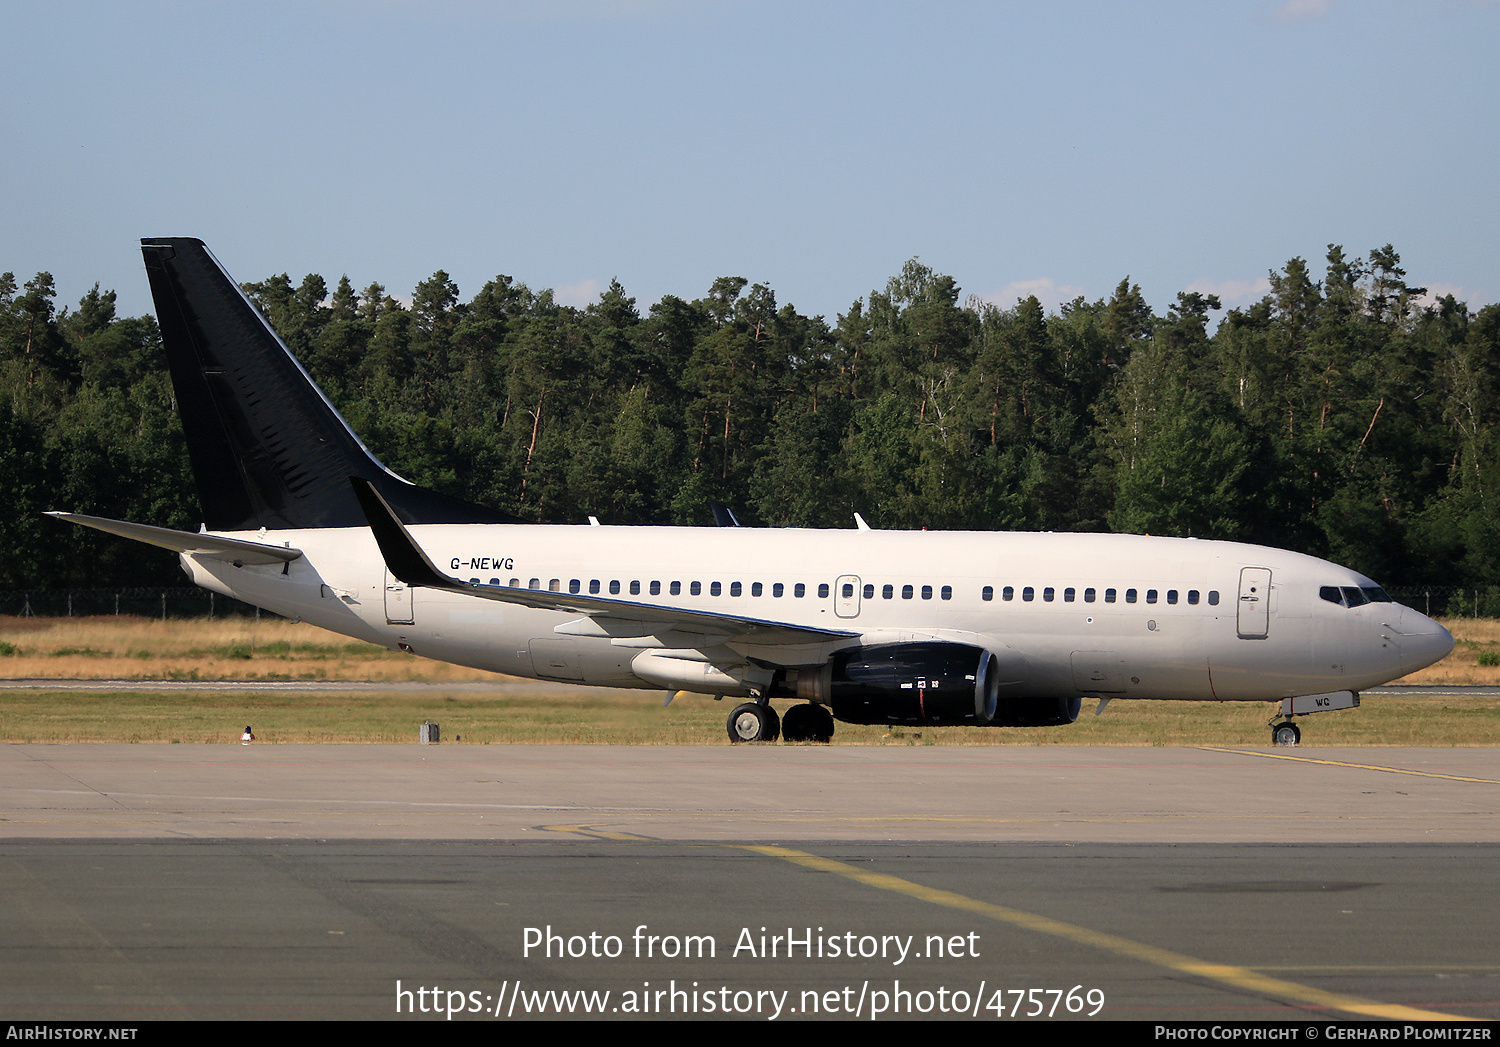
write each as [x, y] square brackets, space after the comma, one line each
[408, 562]
[230, 550]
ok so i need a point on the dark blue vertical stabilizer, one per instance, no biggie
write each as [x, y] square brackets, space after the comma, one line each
[267, 448]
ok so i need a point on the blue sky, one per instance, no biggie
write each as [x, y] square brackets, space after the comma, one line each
[815, 147]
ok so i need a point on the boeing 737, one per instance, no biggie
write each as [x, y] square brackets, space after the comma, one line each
[862, 625]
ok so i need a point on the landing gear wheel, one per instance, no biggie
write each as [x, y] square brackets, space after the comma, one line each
[752, 722]
[807, 723]
[1286, 734]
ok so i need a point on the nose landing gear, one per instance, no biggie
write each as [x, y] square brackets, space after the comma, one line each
[1287, 734]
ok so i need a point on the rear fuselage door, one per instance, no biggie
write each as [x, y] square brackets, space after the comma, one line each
[846, 596]
[1255, 603]
[398, 609]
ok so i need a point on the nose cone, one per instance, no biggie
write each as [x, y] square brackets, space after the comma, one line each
[1423, 641]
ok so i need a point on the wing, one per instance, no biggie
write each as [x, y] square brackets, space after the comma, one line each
[230, 550]
[654, 625]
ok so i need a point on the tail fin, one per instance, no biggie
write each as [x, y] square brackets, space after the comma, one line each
[267, 448]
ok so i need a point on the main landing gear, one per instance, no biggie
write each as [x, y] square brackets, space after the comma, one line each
[754, 722]
[807, 723]
[758, 722]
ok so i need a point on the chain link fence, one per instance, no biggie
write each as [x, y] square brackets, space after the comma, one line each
[1449, 601]
[181, 602]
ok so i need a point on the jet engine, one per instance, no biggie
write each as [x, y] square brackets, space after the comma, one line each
[933, 682]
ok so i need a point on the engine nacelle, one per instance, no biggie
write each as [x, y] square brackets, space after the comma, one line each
[915, 683]
[1036, 712]
[930, 682]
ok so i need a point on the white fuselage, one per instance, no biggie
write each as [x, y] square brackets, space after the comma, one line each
[1071, 614]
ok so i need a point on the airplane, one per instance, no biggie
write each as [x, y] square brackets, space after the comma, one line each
[862, 625]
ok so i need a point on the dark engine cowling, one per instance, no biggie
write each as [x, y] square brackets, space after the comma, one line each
[921, 683]
[937, 683]
[1036, 712]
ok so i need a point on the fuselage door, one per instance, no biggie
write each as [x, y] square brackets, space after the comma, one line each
[846, 596]
[1255, 603]
[398, 603]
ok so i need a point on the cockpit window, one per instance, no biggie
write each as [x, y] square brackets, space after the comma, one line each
[1355, 596]
[1376, 594]
[1332, 594]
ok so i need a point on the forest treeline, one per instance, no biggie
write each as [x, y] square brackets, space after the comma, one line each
[1338, 416]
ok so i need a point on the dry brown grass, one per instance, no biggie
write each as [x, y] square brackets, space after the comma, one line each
[130, 648]
[241, 649]
[1473, 637]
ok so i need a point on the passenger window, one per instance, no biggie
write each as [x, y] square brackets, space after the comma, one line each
[1109, 596]
[675, 588]
[1028, 594]
[1069, 595]
[947, 592]
[1009, 593]
[555, 585]
[1088, 596]
[907, 592]
[594, 586]
[715, 588]
[1213, 597]
[799, 590]
[536, 583]
[887, 591]
[822, 590]
[987, 593]
[1150, 595]
[614, 587]
[1048, 593]
[927, 592]
[755, 589]
[734, 588]
[635, 588]
[847, 590]
[473, 581]
[515, 583]
[1171, 596]
[869, 593]
[695, 588]
[1130, 596]
[574, 585]
[494, 581]
[776, 590]
[1192, 596]
[655, 588]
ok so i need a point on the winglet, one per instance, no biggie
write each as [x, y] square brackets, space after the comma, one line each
[402, 555]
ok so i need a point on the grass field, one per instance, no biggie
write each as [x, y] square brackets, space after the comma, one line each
[235, 649]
